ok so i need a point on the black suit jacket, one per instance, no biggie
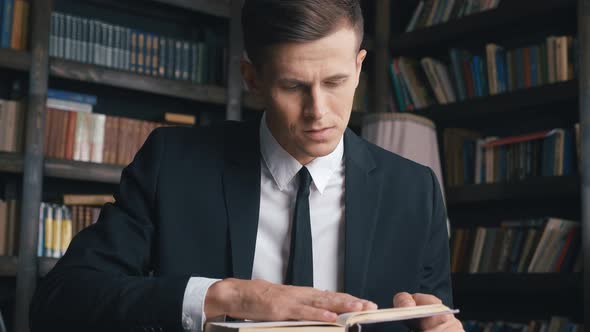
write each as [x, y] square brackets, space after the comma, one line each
[188, 205]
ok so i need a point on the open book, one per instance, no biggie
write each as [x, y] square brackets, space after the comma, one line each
[343, 322]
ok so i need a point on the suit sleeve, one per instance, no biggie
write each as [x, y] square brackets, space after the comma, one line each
[436, 275]
[103, 282]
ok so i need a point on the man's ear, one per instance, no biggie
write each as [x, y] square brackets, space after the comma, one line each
[359, 64]
[250, 76]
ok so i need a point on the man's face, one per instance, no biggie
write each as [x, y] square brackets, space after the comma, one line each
[308, 90]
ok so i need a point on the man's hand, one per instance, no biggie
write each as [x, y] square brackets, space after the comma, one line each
[262, 300]
[442, 323]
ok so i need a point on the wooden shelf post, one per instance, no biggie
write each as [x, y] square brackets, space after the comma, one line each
[33, 163]
[584, 53]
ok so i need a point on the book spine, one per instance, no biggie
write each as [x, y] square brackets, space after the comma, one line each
[170, 57]
[76, 39]
[155, 55]
[134, 48]
[66, 230]
[6, 24]
[98, 138]
[148, 54]
[71, 96]
[162, 57]
[178, 60]
[116, 47]
[185, 60]
[53, 35]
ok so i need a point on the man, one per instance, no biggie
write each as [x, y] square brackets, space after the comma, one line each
[223, 216]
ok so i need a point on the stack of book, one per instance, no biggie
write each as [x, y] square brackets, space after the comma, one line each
[72, 132]
[555, 324]
[473, 159]
[432, 12]
[528, 246]
[14, 24]
[58, 224]
[123, 48]
[9, 227]
[420, 84]
[12, 123]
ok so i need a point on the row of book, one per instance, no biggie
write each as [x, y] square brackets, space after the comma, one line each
[9, 216]
[14, 24]
[421, 83]
[101, 43]
[473, 159]
[432, 12]
[58, 224]
[12, 119]
[555, 324]
[94, 137]
[528, 246]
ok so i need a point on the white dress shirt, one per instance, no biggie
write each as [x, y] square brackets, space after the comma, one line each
[278, 190]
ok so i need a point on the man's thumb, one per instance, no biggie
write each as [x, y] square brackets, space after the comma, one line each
[403, 300]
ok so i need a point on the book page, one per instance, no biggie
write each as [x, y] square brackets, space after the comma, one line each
[252, 324]
[393, 314]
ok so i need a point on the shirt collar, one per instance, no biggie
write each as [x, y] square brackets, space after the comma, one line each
[283, 167]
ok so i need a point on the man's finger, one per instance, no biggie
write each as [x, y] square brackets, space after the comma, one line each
[403, 299]
[424, 299]
[434, 321]
[338, 302]
[306, 312]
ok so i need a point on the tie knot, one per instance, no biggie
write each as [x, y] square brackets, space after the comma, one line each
[304, 179]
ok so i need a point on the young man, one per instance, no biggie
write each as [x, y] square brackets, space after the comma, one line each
[289, 217]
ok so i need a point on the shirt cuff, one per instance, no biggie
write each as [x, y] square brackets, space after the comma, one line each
[193, 304]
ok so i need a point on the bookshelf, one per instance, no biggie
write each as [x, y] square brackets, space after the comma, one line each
[384, 42]
[505, 296]
[35, 176]
[495, 24]
[530, 189]
[17, 60]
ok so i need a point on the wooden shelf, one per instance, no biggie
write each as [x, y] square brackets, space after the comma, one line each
[212, 7]
[129, 80]
[533, 188]
[65, 169]
[12, 59]
[510, 102]
[84, 171]
[11, 162]
[478, 109]
[498, 22]
[513, 283]
[8, 266]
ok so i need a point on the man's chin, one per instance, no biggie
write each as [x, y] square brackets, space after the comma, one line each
[323, 149]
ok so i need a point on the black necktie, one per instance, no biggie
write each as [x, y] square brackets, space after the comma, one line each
[300, 268]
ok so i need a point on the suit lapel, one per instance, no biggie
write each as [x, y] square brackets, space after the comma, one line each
[241, 184]
[361, 203]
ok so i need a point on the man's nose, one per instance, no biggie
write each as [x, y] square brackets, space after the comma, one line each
[316, 103]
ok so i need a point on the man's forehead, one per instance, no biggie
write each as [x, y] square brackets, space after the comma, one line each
[338, 46]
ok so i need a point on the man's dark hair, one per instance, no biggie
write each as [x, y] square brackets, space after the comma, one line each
[270, 22]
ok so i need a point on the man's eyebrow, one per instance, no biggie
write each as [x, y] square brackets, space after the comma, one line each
[335, 77]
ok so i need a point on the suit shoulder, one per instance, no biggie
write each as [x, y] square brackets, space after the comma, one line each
[212, 135]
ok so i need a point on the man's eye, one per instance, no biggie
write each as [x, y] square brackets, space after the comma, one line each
[292, 87]
[333, 83]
